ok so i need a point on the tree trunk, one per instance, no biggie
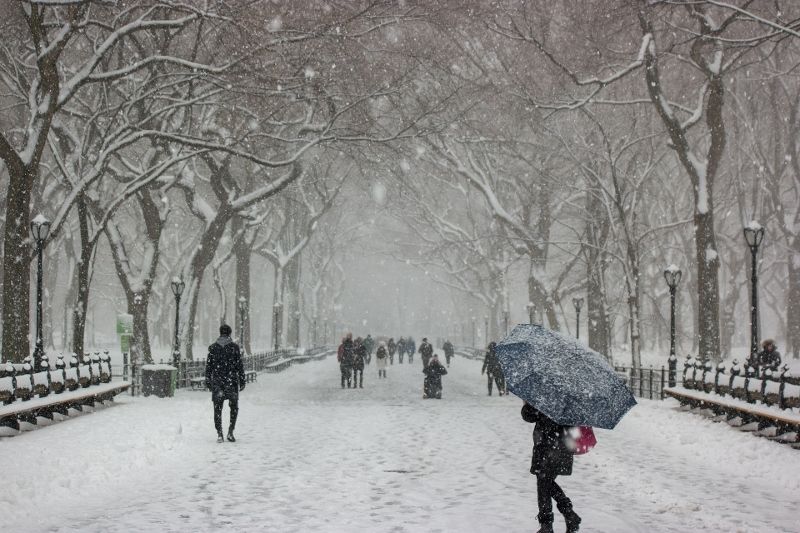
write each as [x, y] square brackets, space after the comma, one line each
[793, 303]
[16, 265]
[82, 281]
[242, 256]
[292, 301]
[708, 284]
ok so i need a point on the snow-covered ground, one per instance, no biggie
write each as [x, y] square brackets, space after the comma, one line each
[314, 457]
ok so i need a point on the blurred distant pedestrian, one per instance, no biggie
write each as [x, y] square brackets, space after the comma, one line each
[411, 348]
[381, 358]
[449, 351]
[401, 350]
[391, 348]
[359, 359]
[426, 351]
[491, 366]
[346, 356]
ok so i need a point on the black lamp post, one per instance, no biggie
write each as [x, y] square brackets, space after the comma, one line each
[40, 229]
[754, 234]
[242, 315]
[315, 331]
[578, 304]
[485, 329]
[177, 289]
[672, 275]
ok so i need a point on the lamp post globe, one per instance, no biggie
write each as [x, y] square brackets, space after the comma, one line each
[754, 235]
[40, 230]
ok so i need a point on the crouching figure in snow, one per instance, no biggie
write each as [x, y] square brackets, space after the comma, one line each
[225, 378]
[552, 457]
[432, 388]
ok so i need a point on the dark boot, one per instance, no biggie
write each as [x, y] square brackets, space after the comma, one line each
[231, 438]
[570, 517]
[545, 522]
[219, 437]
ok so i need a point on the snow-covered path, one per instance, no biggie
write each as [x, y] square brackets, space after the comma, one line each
[314, 457]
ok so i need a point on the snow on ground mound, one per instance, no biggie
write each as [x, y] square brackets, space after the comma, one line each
[313, 457]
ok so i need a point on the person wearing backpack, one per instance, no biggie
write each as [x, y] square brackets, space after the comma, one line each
[426, 350]
[225, 378]
[552, 457]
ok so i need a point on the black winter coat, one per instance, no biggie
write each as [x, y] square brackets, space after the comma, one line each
[224, 369]
[491, 364]
[392, 347]
[359, 357]
[433, 377]
[769, 360]
[348, 353]
[551, 456]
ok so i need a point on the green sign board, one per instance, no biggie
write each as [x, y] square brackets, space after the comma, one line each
[125, 343]
[124, 324]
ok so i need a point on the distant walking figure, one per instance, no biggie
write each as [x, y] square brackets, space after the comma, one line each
[449, 351]
[346, 354]
[225, 378]
[401, 349]
[392, 348]
[411, 348]
[380, 359]
[359, 358]
[426, 351]
[491, 366]
[552, 457]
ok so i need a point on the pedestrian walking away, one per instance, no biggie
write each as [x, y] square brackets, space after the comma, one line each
[359, 359]
[432, 386]
[346, 356]
[449, 351]
[225, 378]
[369, 344]
[426, 351]
[411, 348]
[381, 358]
[391, 349]
[493, 370]
[552, 457]
[401, 350]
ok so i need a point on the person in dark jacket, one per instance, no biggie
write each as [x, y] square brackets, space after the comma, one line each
[449, 351]
[401, 349]
[359, 358]
[411, 348]
[347, 352]
[432, 387]
[491, 366]
[391, 348]
[225, 378]
[369, 344]
[552, 457]
[426, 351]
[769, 358]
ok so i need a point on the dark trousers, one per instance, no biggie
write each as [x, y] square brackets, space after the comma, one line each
[356, 373]
[499, 380]
[345, 375]
[400, 355]
[548, 490]
[234, 406]
[381, 373]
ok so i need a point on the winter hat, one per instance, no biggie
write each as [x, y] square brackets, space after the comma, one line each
[424, 339]
[767, 342]
[225, 330]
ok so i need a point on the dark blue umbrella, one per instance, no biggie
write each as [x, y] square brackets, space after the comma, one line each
[568, 382]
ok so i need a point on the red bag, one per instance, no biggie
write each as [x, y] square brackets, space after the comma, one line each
[585, 441]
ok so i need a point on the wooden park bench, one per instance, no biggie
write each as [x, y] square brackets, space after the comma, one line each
[762, 403]
[28, 395]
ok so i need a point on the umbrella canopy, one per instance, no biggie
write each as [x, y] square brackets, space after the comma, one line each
[568, 382]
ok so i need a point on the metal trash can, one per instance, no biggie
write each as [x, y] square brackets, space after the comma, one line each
[159, 380]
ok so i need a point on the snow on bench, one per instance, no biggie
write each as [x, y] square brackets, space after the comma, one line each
[27, 395]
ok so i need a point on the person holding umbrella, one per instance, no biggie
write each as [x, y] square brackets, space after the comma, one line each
[568, 389]
[552, 457]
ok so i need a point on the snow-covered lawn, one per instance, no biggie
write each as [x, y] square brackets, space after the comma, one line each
[313, 457]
